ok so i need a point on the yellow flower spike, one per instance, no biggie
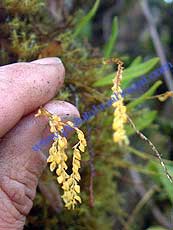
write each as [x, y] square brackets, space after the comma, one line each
[58, 157]
[120, 115]
[71, 198]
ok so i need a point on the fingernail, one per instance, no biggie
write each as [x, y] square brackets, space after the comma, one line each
[48, 61]
[63, 109]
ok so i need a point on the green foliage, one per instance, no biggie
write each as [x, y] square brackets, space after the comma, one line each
[161, 179]
[136, 61]
[156, 228]
[145, 96]
[109, 46]
[142, 121]
[165, 182]
[129, 74]
[86, 19]
[138, 70]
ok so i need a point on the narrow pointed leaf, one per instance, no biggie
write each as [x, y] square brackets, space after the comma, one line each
[144, 97]
[136, 61]
[129, 74]
[84, 21]
[142, 122]
[111, 42]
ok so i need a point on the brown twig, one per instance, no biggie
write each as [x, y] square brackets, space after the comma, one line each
[92, 169]
[141, 135]
[139, 206]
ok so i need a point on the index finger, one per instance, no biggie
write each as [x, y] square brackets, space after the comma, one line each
[25, 86]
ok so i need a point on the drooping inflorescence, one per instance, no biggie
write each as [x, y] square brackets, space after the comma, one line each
[58, 158]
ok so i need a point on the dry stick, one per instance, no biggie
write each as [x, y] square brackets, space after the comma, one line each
[139, 206]
[156, 41]
[141, 135]
[92, 168]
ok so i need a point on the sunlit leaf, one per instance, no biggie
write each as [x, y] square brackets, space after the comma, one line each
[129, 74]
[136, 61]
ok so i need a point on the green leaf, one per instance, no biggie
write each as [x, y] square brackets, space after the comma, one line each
[136, 71]
[136, 61]
[86, 31]
[161, 178]
[144, 97]
[153, 166]
[142, 122]
[111, 42]
[156, 228]
[129, 74]
[83, 22]
[165, 181]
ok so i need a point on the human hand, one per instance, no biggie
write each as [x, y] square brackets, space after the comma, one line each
[23, 88]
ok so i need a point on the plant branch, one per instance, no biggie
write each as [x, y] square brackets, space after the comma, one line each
[156, 41]
[139, 206]
[92, 169]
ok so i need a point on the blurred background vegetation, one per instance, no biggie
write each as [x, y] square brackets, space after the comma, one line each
[121, 187]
